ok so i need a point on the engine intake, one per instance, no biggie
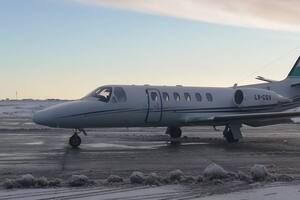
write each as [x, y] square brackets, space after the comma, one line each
[247, 97]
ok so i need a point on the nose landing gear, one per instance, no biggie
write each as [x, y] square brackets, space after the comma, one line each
[75, 140]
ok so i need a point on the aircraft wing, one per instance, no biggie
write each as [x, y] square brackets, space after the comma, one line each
[244, 118]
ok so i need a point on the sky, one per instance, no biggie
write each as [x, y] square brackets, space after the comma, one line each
[66, 48]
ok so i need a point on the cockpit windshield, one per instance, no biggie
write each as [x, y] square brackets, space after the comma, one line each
[103, 94]
[109, 94]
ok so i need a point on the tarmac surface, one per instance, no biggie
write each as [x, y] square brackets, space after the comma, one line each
[40, 151]
[168, 192]
[28, 148]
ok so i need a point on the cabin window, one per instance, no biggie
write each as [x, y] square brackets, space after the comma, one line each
[187, 96]
[103, 94]
[154, 96]
[198, 97]
[120, 94]
[176, 96]
[166, 96]
[209, 97]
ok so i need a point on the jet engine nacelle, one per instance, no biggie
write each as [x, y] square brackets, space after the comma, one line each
[247, 97]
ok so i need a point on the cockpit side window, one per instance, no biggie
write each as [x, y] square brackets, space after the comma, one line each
[103, 94]
[120, 94]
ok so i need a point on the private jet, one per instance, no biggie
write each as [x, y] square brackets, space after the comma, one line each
[173, 107]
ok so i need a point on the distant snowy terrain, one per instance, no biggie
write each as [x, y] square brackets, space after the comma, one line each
[17, 114]
[24, 108]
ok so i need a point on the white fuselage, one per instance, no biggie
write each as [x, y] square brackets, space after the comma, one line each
[149, 106]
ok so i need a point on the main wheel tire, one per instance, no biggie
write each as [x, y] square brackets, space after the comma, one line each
[229, 136]
[174, 132]
[75, 140]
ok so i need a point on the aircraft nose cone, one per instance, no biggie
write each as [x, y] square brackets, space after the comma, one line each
[43, 118]
[58, 116]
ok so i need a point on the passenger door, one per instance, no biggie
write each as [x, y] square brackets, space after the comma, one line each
[154, 106]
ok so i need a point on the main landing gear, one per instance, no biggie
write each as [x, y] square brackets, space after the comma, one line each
[75, 140]
[174, 132]
[232, 133]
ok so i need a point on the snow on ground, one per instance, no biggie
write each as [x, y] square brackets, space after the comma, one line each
[275, 192]
[18, 113]
[164, 192]
[272, 192]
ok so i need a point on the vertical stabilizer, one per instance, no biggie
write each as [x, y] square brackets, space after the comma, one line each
[295, 72]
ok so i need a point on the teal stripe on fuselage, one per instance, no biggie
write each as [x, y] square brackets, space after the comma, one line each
[285, 106]
[193, 110]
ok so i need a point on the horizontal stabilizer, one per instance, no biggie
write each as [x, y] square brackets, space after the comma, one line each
[265, 79]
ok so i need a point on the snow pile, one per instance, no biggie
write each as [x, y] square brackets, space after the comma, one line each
[137, 177]
[41, 182]
[141, 178]
[55, 182]
[78, 181]
[26, 180]
[212, 174]
[9, 184]
[114, 179]
[153, 179]
[176, 175]
[214, 171]
[259, 172]
[188, 179]
[29, 181]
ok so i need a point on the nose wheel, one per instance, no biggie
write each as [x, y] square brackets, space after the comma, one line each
[75, 140]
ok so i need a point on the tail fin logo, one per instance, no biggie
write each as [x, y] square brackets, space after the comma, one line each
[296, 69]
